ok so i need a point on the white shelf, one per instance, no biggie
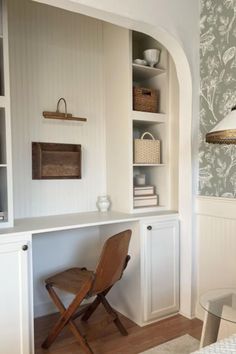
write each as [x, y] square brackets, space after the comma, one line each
[143, 72]
[148, 117]
[3, 165]
[149, 164]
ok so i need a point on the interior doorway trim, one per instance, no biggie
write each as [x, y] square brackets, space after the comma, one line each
[185, 118]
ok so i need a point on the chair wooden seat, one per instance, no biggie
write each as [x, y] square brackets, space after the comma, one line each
[84, 283]
[71, 280]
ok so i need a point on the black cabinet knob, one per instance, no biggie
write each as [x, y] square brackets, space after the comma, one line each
[24, 247]
[149, 227]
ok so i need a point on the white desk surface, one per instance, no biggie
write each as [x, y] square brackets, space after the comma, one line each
[52, 223]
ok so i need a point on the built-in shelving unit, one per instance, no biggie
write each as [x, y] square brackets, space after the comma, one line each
[124, 124]
[155, 123]
[6, 203]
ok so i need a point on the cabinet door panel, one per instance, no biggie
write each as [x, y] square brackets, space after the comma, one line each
[14, 299]
[162, 270]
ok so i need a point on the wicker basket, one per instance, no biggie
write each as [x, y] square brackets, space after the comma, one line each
[145, 99]
[146, 151]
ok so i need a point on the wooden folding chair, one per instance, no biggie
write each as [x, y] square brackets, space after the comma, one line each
[84, 283]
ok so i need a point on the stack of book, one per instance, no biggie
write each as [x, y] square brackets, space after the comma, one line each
[144, 196]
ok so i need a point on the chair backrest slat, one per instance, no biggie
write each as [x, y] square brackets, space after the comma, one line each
[112, 261]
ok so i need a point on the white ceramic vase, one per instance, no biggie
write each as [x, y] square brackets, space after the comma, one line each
[152, 56]
[103, 203]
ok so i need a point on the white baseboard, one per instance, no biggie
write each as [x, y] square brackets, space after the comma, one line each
[186, 316]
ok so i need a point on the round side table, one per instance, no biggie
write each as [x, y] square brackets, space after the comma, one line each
[220, 315]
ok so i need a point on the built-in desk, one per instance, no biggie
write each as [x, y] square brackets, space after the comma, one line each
[37, 247]
[52, 223]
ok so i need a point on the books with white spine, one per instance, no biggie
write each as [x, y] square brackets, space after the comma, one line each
[149, 200]
[144, 190]
[2, 215]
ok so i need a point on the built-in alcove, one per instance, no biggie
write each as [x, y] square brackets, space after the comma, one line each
[98, 77]
[52, 51]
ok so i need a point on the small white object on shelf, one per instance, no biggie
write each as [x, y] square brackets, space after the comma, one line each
[140, 62]
[140, 179]
[103, 203]
[152, 56]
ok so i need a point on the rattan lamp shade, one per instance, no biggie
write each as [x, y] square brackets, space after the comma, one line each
[225, 131]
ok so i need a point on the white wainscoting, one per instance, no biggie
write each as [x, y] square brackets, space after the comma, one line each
[216, 245]
[53, 54]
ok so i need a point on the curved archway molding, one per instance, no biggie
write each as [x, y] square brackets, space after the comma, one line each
[185, 118]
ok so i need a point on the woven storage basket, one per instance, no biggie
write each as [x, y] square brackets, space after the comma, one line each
[145, 99]
[147, 151]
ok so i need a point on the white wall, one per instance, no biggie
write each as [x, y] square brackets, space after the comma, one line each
[54, 54]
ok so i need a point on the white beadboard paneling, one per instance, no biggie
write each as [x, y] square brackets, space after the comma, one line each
[118, 105]
[54, 53]
[216, 245]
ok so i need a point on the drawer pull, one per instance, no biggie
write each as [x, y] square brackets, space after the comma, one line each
[24, 247]
[149, 227]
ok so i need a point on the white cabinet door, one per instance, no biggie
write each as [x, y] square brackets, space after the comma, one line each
[15, 322]
[160, 269]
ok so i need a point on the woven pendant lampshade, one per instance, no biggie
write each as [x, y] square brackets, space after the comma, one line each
[225, 131]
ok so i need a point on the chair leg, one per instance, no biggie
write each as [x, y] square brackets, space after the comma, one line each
[94, 305]
[112, 312]
[65, 319]
[90, 310]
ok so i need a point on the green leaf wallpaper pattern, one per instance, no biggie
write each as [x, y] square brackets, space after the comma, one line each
[217, 163]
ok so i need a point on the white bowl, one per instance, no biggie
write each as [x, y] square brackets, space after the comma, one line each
[152, 56]
[140, 61]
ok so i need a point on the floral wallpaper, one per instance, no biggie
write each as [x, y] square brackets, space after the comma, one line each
[217, 163]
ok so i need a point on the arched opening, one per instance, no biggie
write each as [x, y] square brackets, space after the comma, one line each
[185, 204]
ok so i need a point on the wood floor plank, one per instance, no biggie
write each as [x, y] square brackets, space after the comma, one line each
[109, 340]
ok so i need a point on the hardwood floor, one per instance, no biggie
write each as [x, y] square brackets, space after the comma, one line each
[109, 340]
